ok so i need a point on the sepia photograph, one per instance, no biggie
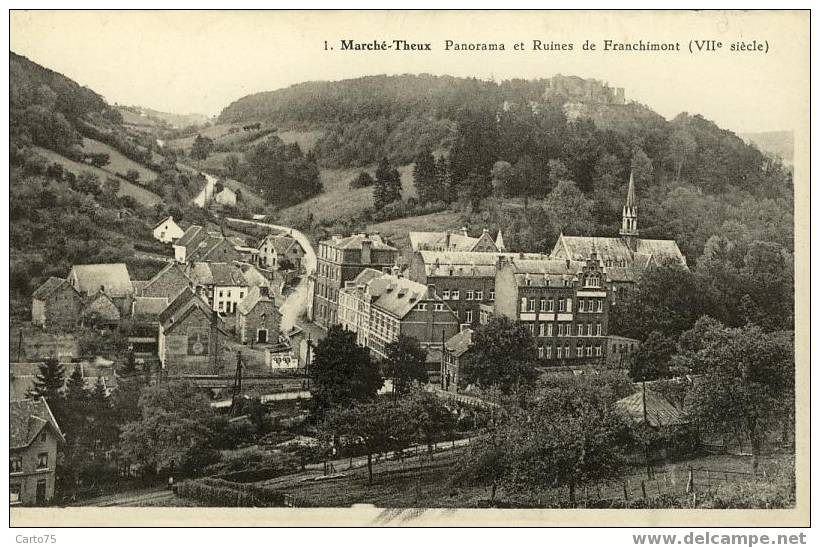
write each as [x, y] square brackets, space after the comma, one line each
[377, 268]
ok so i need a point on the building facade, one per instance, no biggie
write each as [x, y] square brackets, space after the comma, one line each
[191, 337]
[257, 319]
[220, 284]
[55, 303]
[340, 260]
[275, 248]
[34, 439]
[167, 231]
[563, 303]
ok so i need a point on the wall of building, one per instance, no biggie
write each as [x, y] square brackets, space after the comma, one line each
[30, 475]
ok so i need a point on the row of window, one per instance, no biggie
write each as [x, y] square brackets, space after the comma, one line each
[562, 352]
[222, 294]
[16, 462]
[590, 305]
[437, 306]
[565, 329]
[455, 294]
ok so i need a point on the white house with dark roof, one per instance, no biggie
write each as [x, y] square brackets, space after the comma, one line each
[167, 230]
[34, 439]
[222, 285]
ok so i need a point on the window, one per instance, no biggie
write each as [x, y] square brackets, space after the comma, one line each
[14, 493]
[469, 295]
[229, 294]
[454, 295]
[589, 351]
[592, 280]
[42, 460]
[540, 352]
[468, 316]
[549, 352]
[589, 329]
[445, 294]
[597, 351]
[542, 329]
[560, 352]
[523, 303]
[560, 329]
[579, 351]
[581, 306]
[421, 306]
[438, 306]
[549, 329]
[16, 464]
[569, 304]
[241, 295]
[597, 329]
[580, 329]
[531, 328]
[220, 294]
[550, 306]
[492, 296]
[479, 295]
[600, 307]
[221, 306]
[531, 304]
[561, 305]
[542, 304]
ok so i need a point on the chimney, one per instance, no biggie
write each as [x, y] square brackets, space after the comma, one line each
[367, 246]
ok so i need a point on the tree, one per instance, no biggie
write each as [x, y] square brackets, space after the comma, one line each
[132, 175]
[175, 424]
[651, 360]
[501, 356]
[342, 371]
[642, 168]
[486, 463]
[201, 148]
[363, 180]
[231, 165]
[748, 383]
[49, 380]
[381, 425]
[570, 211]
[433, 420]
[405, 363]
[424, 177]
[568, 434]
[99, 160]
[682, 145]
[387, 187]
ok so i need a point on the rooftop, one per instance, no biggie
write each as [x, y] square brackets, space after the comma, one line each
[26, 419]
[114, 278]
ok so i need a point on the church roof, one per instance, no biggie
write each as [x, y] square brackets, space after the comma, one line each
[615, 252]
[631, 202]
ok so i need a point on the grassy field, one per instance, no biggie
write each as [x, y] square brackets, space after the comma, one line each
[143, 196]
[397, 230]
[339, 201]
[119, 163]
[305, 139]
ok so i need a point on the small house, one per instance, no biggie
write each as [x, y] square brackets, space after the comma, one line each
[167, 231]
[34, 439]
[257, 319]
[55, 303]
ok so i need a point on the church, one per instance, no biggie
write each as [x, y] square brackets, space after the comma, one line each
[626, 257]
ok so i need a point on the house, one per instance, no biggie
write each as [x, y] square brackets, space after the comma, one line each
[55, 303]
[257, 318]
[563, 303]
[145, 312]
[100, 310]
[625, 257]
[354, 304]
[167, 231]
[448, 241]
[465, 280]
[34, 439]
[167, 283]
[192, 237]
[619, 349]
[191, 337]
[214, 248]
[222, 285]
[399, 306]
[452, 364]
[275, 248]
[339, 260]
[111, 279]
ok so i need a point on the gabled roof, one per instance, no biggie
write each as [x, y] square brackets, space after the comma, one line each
[101, 304]
[173, 269]
[544, 271]
[466, 264]
[26, 419]
[251, 299]
[217, 273]
[191, 234]
[50, 287]
[460, 343]
[207, 246]
[163, 221]
[281, 242]
[113, 277]
[615, 252]
[659, 411]
[182, 306]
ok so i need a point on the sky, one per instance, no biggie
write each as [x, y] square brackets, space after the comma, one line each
[199, 62]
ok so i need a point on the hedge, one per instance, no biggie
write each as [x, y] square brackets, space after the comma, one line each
[222, 493]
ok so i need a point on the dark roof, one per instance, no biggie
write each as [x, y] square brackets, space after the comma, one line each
[207, 246]
[192, 233]
[355, 242]
[149, 306]
[157, 225]
[460, 343]
[251, 299]
[181, 306]
[26, 419]
[171, 269]
[47, 289]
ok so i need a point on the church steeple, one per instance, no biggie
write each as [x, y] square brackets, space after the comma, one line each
[629, 222]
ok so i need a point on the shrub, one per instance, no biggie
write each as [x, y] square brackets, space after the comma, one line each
[222, 493]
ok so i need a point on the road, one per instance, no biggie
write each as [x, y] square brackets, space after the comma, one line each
[296, 302]
[208, 190]
[133, 498]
